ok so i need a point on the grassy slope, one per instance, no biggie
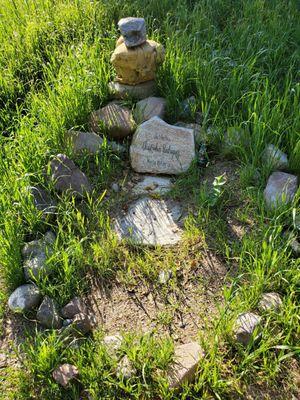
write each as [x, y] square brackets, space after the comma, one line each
[239, 58]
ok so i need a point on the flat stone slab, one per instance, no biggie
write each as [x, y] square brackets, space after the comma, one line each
[281, 189]
[160, 148]
[186, 359]
[152, 185]
[150, 222]
[138, 92]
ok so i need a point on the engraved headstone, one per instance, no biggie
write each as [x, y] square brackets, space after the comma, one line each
[150, 222]
[160, 148]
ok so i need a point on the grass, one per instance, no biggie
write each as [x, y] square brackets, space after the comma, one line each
[240, 59]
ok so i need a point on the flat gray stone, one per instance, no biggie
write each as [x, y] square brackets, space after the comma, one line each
[148, 108]
[150, 222]
[24, 298]
[281, 189]
[275, 157]
[184, 366]
[67, 177]
[160, 148]
[48, 315]
[152, 185]
[245, 326]
[270, 301]
[138, 92]
[133, 31]
[35, 256]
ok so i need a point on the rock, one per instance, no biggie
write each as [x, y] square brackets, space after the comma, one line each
[295, 246]
[245, 326]
[116, 120]
[148, 108]
[48, 315]
[112, 343]
[150, 222]
[75, 306]
[160, 148]
[275, 158]
[115, 187]
[133, 31]
[24, 298]
[139, 64]
[184, 366]
[199, 134]
[81, 324]
[187, 107]
[152, 185]
[64, 374]
[42, 200]
[164, 276]
[125, 368]
[90, 142]
[138, 92]
[270, 301]
[35, 256]
[281, 189]
[66, 176]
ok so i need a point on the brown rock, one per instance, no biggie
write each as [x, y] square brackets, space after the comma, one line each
[66, 176]
[148, 108]
[81, 324]
[64, 374]
[75, 306]
[184, 366]
[116, 120]
[138, 64]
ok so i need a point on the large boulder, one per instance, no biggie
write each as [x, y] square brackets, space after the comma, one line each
[67, 177]
[138, 64]
[133, 31]
[281, 189]
[148, 108]
[121, 91]
[48, 315]
[160, 148]
[117, 121]
[24, 298]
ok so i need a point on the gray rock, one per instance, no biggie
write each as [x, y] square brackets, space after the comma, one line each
[64, 374]
[133, 31]
[113, 343]
[152, 185]
[199, 134]
[116, 120]
[36, 254]
[81, 325]
[245, 326]
[164, 276]
[185, 363]
[48, 315]
[150, 222]
[24, 298]
[90, 142]
[115, 187]
[148, 108]
[138, 92]
[67, 177]
[281, 189]
[75, 306]
[42, 200]
[275, 158]
[125, 369]
[270, 301]
[160, 148]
